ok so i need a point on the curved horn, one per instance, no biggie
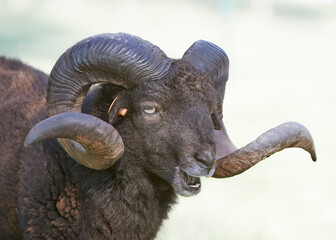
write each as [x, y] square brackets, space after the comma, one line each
[286, 135]
[120, 59]
[106, 143]
[212, 61]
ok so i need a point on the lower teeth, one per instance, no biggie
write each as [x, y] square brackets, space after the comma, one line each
[196, 185]
[192, 181]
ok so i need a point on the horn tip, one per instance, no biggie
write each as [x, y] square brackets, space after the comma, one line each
[30, 140]
[28, 143]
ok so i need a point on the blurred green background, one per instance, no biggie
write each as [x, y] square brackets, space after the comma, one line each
[282, 68]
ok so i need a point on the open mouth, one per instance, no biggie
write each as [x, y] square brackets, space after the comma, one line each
[186, 184]
[192, 182]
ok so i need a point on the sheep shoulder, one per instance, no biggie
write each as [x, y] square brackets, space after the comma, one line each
[22, 104]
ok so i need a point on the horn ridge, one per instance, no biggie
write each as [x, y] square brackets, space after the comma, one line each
[209, 58]
[121, 59]
[77, 136]
[286, 135]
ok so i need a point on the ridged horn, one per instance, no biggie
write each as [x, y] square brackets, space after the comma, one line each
[105, 143]
[286, 135]
[212, 61]
[120, 59]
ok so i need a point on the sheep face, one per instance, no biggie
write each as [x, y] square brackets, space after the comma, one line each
[173, 119]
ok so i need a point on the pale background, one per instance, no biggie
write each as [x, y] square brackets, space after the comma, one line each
[282, 68]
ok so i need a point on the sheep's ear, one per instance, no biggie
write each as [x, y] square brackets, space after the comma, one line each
[94, 102]
[99, 98]
[118, 108]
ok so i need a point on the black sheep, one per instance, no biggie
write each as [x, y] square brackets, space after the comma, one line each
[152, 127]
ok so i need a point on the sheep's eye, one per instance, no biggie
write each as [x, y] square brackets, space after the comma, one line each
[149, 110]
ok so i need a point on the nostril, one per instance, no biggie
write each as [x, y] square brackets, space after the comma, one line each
[206, 158]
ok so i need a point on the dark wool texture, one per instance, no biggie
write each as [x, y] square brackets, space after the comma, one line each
[45, 194]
